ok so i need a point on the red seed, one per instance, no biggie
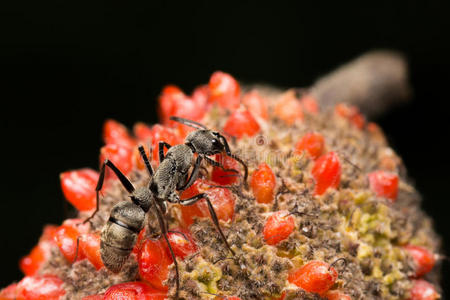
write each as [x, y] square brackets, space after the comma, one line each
[90, 247]
[166, 101]
[200, 95]
[351, 113]
[423, 290]
[225, 177]
[66, 239]
[181, 247]
[314, 277]
[256, 104]
[224, 90]
[122, 158]
[326, 172]
[263, 184]
[241, 123]
[222, 201]
[309, 104]
[78, 187]
[143, 132]
[154, 263]
[278, 227]
[31, 263]
[384, 184]
[288, 108]
[94, 297]
[312, 143]
[116, 133]
[423, 259]
[162, 134]
[134, 291]
[46, 287]
[337, 295]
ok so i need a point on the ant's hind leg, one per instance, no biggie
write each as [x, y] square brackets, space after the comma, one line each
[123, 179]
[212, 212]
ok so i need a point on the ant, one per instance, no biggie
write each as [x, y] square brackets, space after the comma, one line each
[127, 218]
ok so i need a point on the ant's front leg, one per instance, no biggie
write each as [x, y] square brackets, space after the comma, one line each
[161, 145]
[123, 179]
[212, 212]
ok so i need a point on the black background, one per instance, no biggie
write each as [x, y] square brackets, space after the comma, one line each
[67, 66]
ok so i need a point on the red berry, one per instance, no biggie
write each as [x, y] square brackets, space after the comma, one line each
[142, 132]
[263, 184]
[48, 233]
[224, 90]
[78, 187]
[222, 201]
[116, 133]
[200, 96]
[350, 113]
[90, 247]
[222, 177]
[256, 105]
[9, 292]
[31, 263]
[278, 227]
[337, 295]
[46, 287]
[423, 259]
[121, 156]
[384, 184]
[134, 291]
[162, 134]
[154, 263]
[312, 143]
[423, 290]
[181, 247]
[66, 239]
[309, 104]
[314, 277]
[326, 172]
[241, 123]
[166, 100]
[288, 108]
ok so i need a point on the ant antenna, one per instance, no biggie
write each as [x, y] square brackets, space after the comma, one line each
[189, 123]
[344, 260]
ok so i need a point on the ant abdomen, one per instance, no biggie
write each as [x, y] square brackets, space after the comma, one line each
[120, 233]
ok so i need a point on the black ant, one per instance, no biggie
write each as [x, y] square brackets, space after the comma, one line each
[127, 218]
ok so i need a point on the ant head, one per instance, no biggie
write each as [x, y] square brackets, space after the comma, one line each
[206, 141]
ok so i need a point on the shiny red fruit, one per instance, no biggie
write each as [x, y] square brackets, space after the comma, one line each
[384, 184]
[143, 132]
[241, 123]
[9, 292]
[200, 96]
[224, 90]
[263, 184]
[326, 172]
[78, 187]
[181, 247]
[423, 259]
[423, 290]
[154, 262]
[66, 238]
[94, 297]
[309, 104]
[31, 263]
[134, 291]
[166, 100]
[256, 104]
[90, 247]
[46, 287]
[351, 113]
[222, 201]
[116, 133]
[122, 157]
[312, 143]
[222, 177]
[314, 277]
[162, 133]
[278, 227]
[337, 295]
[288, 108]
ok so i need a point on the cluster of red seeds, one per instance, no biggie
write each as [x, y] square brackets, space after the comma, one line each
[246, 115]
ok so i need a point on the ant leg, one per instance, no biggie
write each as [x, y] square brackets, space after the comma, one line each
[217, 164]
[214, 218]
[161, 145]
[163, 226]
[145, 159]
[228, 152]
[194, 174]
[123, 179]
[76, 251]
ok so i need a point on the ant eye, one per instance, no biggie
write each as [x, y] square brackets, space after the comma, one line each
[214, 141]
